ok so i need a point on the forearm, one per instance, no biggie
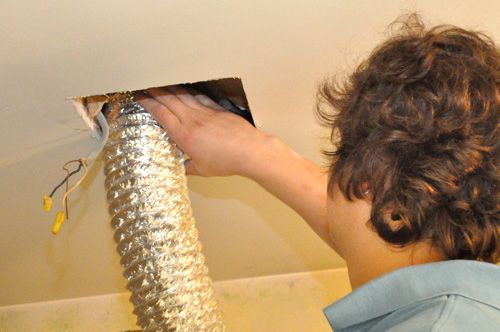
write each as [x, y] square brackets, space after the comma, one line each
[296, 181]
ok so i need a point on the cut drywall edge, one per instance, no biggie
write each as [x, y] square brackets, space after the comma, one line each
[228, 92]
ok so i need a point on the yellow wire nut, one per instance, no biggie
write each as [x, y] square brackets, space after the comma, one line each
[47, 203]
[58, 222]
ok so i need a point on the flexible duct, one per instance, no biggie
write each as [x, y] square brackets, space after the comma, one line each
[154, 227]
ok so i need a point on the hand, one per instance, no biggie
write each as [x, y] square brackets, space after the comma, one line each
[218, 142]
[222, 143]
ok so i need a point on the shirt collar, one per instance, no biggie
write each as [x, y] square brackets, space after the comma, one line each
[472, 279]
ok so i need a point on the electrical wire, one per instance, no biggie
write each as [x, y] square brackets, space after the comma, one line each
[66, 199]
[101, 120]
[65, 180]
[84, 163]
[103, 123]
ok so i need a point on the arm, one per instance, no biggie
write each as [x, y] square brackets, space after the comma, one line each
[296, 181]
[220, 144]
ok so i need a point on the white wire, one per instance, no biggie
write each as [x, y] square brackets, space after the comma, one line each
[103, 123]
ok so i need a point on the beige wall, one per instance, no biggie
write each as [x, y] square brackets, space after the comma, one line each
[290, 302]
[53, 49]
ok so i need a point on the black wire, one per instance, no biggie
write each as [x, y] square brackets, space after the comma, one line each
[66, 179]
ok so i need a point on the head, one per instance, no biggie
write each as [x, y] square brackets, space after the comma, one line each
[416, 134]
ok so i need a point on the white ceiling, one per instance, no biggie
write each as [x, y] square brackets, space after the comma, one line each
[51, 50]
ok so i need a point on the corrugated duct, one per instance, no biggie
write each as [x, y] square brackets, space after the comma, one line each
[154, 226]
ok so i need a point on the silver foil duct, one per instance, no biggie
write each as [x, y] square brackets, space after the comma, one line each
[154, 227]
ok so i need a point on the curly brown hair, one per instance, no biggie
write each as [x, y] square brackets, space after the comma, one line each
[417, 123]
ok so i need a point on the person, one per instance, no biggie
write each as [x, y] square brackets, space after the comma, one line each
[411, 197]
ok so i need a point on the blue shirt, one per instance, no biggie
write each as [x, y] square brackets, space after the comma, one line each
[454, 295]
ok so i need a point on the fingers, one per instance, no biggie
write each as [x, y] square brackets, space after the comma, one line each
[178, 111]
[189, 97]
[172, 102]
[172, 95]
[168, 120]
[194, 98]
[206, 101]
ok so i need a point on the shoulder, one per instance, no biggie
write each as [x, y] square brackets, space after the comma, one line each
[445, 296]
[452, 312]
